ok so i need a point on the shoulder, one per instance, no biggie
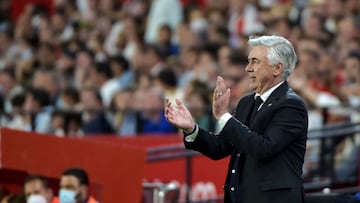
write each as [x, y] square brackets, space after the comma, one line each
[292, 97]
[286, 94]
[92, 200]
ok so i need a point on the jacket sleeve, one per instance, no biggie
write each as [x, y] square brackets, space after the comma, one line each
[211, 145]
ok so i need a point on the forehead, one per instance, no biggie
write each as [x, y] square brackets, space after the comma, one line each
[259, 51]
[34, 185]
[69, 180]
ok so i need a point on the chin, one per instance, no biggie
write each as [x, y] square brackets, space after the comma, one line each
[252, 87]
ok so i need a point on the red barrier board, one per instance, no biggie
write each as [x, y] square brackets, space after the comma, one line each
[208, 176]
[116, 165]
[115, 170]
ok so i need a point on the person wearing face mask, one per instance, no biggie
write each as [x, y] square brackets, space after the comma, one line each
[74, 187]
[36, 199]
[37, 190]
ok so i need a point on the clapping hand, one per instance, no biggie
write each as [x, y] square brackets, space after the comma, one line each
[221, 98]
[179, 116]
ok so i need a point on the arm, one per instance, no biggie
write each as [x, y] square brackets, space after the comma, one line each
[196, 138]
[211, 145]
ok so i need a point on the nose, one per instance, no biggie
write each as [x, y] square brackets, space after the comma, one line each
[248, 68]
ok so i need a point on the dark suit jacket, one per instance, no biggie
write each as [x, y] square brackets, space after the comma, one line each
[271, 148]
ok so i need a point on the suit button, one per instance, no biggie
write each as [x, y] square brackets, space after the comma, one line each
[233, 171]
[232, 188]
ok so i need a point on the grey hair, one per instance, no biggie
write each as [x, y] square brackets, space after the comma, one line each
[280, 50]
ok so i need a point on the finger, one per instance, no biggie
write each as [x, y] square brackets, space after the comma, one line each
[217, 94]
[214, 95]
[217, 88]
[167, 105]
[179, 103]
[220, 87]
[169, 114]
[228, 91]
[221, 84]
[168, 102]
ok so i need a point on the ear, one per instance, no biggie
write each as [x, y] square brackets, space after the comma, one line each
[84, 191]
[278, 69]
[50, 194]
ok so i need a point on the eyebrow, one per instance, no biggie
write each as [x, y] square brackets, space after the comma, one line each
[253, 59]
[67, 186]
[33, 192]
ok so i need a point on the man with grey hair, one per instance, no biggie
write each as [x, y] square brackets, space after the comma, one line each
[266, 136]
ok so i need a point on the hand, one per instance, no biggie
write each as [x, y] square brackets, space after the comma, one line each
[179, 116]
[221, 98]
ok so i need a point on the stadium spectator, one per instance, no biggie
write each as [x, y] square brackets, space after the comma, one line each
[14, 198]
[199, 103]
[47, 80]
[74, 187]
[4, 192]
[125, 118]
[71, 39]
[35, 185]
[37, 110]
[94, 118]
[235, 78]
[162, 12]
[10, 87]
[352, 79]
[167, 81]
[149, 103]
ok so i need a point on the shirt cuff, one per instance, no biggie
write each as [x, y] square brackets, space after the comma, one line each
[191, 137]
[223, 120]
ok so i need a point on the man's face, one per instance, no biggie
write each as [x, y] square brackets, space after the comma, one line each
[36, 187]
[6, 83]
[30, 104]
[69, 182]
[88, 100]
[262, 75]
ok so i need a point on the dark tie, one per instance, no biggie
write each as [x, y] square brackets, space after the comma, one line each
[258, 101]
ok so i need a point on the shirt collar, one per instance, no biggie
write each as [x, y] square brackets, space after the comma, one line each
[267, 94]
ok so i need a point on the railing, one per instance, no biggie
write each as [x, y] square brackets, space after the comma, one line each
[328, 135]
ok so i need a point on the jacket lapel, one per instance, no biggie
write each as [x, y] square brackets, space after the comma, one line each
[245, 112]
[270, 102]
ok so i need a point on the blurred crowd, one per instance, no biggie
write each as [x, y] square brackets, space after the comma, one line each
[105, 67]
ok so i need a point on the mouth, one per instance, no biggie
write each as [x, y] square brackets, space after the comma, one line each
[252, 78]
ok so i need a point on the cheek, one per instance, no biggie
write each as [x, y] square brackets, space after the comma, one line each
[263, 75]
[253, 84]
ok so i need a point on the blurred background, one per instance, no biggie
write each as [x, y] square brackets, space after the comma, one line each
[89, 77]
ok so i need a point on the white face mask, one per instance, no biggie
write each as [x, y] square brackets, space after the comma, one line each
[36, 199]
[67, 196]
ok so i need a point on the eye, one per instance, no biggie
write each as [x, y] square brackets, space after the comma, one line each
[253, 61]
